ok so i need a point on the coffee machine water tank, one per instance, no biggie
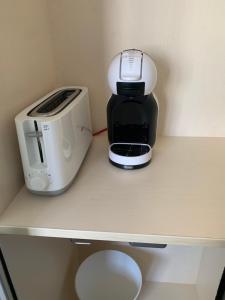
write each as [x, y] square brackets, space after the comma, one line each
[132, 110]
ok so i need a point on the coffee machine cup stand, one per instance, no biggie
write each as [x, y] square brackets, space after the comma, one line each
[132, 110]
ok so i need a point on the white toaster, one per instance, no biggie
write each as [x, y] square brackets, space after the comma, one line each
[54, 134]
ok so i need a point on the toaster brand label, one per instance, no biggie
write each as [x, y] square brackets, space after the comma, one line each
[45, 127]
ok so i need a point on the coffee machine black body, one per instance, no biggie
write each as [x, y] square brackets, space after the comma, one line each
[132, 114]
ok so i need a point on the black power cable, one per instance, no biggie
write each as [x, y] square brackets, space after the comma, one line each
[7, 275]
[221, 289]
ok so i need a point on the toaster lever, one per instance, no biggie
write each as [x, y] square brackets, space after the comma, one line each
[34, 134]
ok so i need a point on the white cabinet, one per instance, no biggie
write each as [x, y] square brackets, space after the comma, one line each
[172, 273]
[177, 200]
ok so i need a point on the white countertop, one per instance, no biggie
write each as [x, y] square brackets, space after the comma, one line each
[179, 198]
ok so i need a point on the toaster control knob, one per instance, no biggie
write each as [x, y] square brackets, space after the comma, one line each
[39, 182]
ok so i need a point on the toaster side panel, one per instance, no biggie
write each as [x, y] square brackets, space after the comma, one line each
[66, 142]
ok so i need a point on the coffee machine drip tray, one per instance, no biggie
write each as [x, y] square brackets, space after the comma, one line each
[130, 155]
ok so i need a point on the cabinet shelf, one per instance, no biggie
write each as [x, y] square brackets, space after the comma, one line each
[178, 199]
[169, 291]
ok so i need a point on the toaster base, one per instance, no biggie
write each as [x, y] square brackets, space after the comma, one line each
[53, 193]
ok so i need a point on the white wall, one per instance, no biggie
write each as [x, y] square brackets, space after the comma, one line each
[210, 272]
[37, 266]
[175, 264]
[185, 38]
[77, 34]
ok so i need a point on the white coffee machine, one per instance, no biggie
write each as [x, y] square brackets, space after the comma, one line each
[132, 110]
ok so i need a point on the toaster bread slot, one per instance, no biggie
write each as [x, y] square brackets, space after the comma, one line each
[38, 141]
[55, 103]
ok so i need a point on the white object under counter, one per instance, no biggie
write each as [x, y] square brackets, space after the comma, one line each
[179, 198]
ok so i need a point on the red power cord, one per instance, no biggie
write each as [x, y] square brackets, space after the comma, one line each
[99, 132]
